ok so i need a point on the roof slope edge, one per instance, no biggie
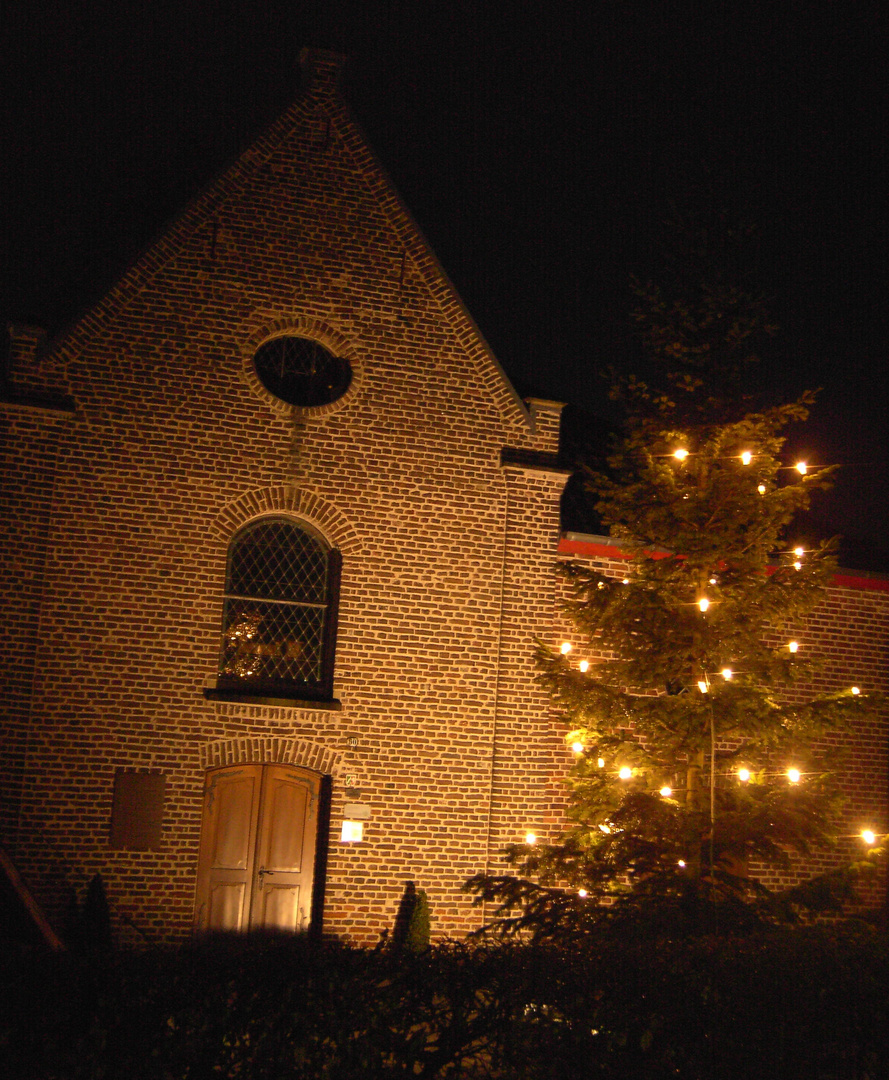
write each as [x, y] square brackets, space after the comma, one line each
[320, 89]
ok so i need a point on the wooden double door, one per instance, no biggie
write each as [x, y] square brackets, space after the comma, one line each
[259, 848]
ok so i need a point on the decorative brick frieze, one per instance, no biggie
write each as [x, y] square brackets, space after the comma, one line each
[288, 499]
[267, 750]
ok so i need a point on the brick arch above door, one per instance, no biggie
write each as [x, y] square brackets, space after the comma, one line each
[265, 750]
[289, 499]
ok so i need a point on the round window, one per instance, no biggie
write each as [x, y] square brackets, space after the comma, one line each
[301, 372]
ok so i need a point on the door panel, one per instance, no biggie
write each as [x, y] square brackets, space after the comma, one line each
[225, 909]
[258, 842]
[233, 820]
[285, 853]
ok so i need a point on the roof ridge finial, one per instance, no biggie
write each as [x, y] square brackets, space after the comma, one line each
[321, 71]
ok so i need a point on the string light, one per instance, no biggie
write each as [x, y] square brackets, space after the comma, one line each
[625, 773]
[746, 457]
[565, 648]
[703, 603]
[801, 467]
[666, 791]
[743, 775]
[793, 775]
[868, 837]
[584, 665]
[793, 646]
[530, 839]
[680, 454]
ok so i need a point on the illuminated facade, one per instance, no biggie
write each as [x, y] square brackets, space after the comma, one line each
[280, 536]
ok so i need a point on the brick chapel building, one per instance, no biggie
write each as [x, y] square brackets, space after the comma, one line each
[281, 536]
[281, 533]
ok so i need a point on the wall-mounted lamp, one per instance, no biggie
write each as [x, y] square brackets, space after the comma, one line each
[354, 817]
[352, 832]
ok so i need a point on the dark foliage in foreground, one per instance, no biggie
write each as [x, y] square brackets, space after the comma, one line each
[788, 1003]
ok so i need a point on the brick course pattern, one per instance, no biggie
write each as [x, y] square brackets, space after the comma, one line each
[119, 516]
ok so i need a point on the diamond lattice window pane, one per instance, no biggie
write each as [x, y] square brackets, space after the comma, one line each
[273, 642]
[277, 561]
[276, 606]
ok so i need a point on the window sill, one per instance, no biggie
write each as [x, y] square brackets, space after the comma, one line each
[251, 696]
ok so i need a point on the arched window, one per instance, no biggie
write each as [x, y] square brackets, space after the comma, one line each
[279, 621]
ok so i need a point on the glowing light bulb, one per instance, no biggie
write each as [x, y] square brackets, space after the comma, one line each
[584, 665]
[601, 763]
[681, 862]
[577, 747]
[855, 690]
[726, 673]
[680, 454]
[565, 648]
[626, 581]
[793, 775]
[530, 839]
[625, 773]
[746, 457]
[582, 892]
[605, 829]
[868, 837]
[801, 467]
[713, 581]
[743, 775]
[797, 565]
[793, 646]
[799, 552]
[703, 603]
[761, 489]
[666, 791]
[702, 686]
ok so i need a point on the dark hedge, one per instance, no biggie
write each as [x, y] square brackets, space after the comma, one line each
[811, 1003]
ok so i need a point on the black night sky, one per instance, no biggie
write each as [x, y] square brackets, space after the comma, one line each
[540, 147]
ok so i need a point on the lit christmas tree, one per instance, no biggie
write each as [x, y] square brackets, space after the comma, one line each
[694, 734]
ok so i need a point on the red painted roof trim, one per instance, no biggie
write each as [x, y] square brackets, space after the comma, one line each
[599, 547]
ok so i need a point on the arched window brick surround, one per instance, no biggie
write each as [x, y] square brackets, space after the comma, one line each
[286, 499]
[262, 750]
[316, 330]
